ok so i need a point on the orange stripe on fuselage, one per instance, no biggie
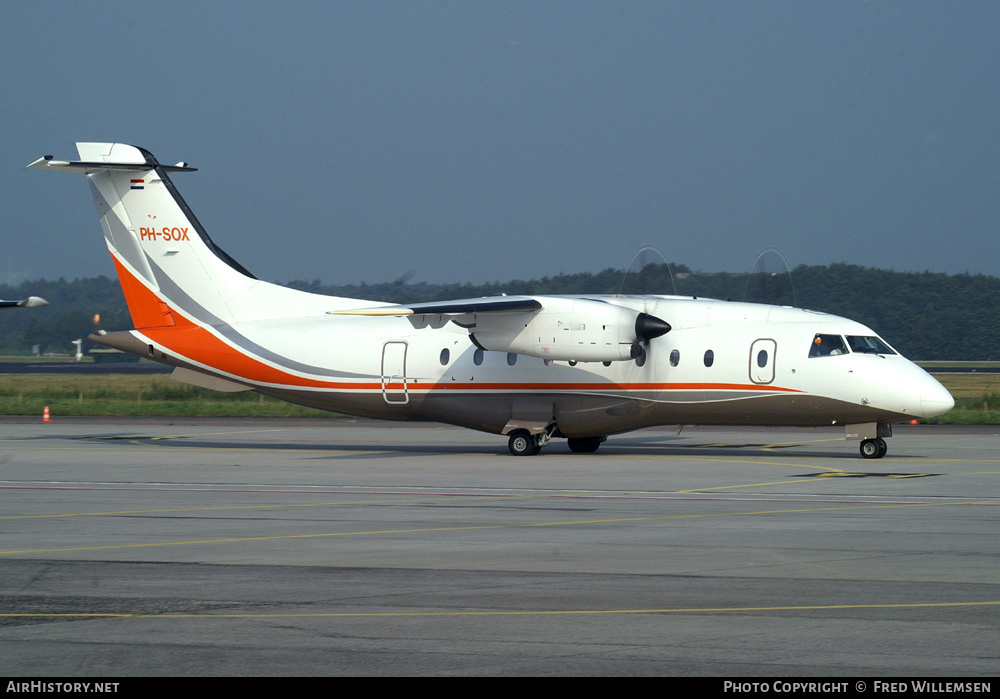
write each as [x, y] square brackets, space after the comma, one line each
[147, 310]
[189, 341]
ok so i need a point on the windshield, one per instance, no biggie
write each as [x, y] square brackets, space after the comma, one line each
[827, 346]
[870, 345]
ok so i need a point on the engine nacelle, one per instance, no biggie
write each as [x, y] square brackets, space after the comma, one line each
[568, 329]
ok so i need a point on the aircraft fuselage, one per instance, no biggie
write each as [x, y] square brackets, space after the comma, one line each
[722, 363]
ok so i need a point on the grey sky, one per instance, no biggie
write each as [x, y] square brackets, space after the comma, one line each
[475, 141]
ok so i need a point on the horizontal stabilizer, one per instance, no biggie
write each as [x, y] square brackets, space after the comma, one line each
[85, 167]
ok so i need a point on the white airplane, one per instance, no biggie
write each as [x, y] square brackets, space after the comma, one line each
[30, 302]
[532, 368]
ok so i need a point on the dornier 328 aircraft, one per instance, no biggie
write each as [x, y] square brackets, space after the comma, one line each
[532, 368]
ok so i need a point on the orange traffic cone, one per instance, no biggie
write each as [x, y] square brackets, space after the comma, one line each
[45, 415]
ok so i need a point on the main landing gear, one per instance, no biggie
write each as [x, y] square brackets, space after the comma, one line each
[585, 445]
[873, 448]
[523, 443]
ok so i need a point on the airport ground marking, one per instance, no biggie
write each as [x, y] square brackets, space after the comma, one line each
[762, 461]
[150, 443]
[146, 447]
[387, 501]
[515, 612]
[143, 443]
[826, 470]
[743, 485]
[747, 460]
[483, 527]
[359, 502]
[264, 506]
[831, 470]
[226, 432]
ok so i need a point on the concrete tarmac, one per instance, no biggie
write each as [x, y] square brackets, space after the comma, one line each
[187, 547]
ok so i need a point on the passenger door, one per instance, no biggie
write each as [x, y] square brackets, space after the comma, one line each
[762, 356]
[394, 390]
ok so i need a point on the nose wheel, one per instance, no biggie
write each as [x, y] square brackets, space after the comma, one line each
[874, 448]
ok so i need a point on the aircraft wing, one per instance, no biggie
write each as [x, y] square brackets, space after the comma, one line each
[486, 304]
[551, 327]
[30, 302]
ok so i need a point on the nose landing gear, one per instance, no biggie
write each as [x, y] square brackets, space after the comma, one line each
[874, 448]
[871, 434]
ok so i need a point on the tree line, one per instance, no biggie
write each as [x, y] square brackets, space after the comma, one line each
[924, 315]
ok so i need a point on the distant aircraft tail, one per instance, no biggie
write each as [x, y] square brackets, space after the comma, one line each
[165, 260]
[30, 302]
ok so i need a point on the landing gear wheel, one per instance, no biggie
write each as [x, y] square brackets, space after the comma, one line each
[584, 445]
[874, 448]
[882, 447]
[521, 443]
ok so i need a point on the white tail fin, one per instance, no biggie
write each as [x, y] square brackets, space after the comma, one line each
[164, 258]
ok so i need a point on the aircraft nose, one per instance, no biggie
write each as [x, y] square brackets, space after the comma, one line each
[935, 399]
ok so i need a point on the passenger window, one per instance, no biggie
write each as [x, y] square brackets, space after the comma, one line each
[477, 357]
[511, 359]
[675, 358]
[827, 346]
[709, 358]
[445, 356]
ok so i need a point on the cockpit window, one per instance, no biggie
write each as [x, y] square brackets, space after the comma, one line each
[827, 346]
[869, 345]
